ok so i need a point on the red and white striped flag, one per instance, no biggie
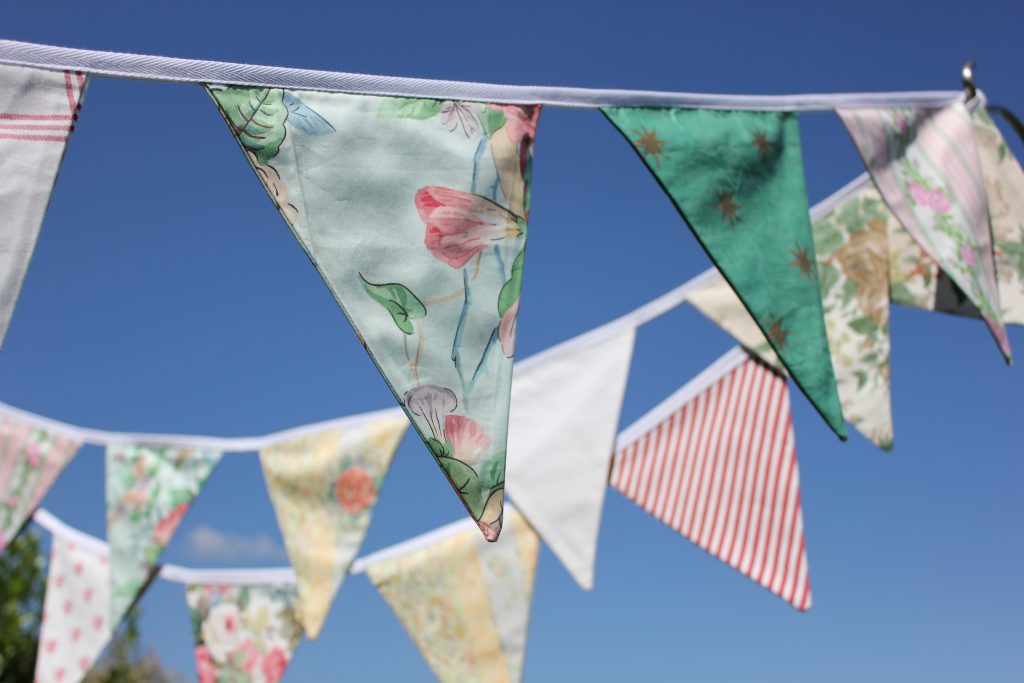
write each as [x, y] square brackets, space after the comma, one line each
[716, 461]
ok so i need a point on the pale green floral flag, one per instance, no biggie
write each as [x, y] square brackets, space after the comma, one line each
[243, 634]
[414, 212]
[149, 490]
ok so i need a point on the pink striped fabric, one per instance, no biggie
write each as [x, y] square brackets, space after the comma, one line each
[721, 470]
[31, 459]
[46, 127]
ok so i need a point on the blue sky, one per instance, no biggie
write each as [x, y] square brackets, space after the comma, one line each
[167, 295]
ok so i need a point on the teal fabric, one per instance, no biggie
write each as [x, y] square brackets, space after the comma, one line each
[737, 178]
[415, 214]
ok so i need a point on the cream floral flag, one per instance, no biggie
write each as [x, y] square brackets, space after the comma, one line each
[916, 278]
[466, 603]
[149, 490]
[851, 243]
[243, 634]
[324, 487]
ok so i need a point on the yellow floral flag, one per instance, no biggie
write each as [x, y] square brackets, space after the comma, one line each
[323, 487]
[465, 602]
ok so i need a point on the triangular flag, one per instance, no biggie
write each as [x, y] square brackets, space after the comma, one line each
[38, 110]
[464, 603]
[149, 490]
[31, 459]
[737, 178]
[414, 212]
[925, 164]
[76, 624]
[324, 487]
[565, 416]
[716, 461]
[243, 633]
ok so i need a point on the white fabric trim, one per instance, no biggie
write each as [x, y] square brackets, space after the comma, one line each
[249, 577]
[714, 372]
[156, 68]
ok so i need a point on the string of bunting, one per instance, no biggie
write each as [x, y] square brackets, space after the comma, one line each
[429, 269]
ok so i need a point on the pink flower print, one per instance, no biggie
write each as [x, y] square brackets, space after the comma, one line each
[520, 121]
[252, 655]
[97, 623]
[12, 501]
[274, 665]
[468, 439]
[165, 527]
[507, 330]
[355, 490]
[32, 455]
[465, 113]
[76, 633]
[83, 663]
[968, 255]
[933, 199]
[204, 665]
[460, 225]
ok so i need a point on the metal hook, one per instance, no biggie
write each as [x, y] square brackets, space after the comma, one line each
[967, 78]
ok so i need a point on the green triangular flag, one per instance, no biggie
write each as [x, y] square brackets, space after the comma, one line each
[737, 178]
[415, 213]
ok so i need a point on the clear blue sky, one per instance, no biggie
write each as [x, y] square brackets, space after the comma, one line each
[167, 295]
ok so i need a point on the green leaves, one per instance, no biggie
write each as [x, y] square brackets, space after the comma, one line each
[466, 482]
[398, 300]
[826, 238]
[510, 290]
[408, 108]
[492, 119]
[828, 276]
[492, 472]
[865, 325]
[256, 116]
[438, 449]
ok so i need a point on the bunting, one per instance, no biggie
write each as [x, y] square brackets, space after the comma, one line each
[716, 462]
[243, 634]
[31, 459]
[466, 604]
[414, 212]
[737, 178]
[925, 164]
[38, 111]
[149, 490]
[75, 626]
[719, 303]
[324, 487]
[565, 416]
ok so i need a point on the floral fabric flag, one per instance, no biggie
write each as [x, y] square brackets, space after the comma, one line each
[149, 490]
[466, 604]
[565, 417]
[737, 178]
[324, 487]
[415, 213]
[38, 111]
[925, 164]
[243, 634]
[716, 462]
[31, 459]
[917, 280]
[852, 244]
[75, 625]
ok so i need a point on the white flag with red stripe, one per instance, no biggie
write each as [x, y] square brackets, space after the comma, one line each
[38, 111]
[716, 461]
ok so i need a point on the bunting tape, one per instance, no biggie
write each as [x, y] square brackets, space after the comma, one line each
[155, 68]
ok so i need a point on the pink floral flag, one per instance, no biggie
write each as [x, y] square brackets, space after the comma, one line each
[415, 213]
[464, 602]
[926, 166]
[31, 459]
[324, 487]
[149, 490]
[243, 634]
[38, 112]
[75, 627]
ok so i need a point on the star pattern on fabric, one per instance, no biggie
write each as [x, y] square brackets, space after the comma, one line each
[649, 145]
[802, 261]
[764, 147]
[776, 332]
[729, 208]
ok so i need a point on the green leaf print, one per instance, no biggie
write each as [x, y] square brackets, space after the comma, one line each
[256, 116]
[1012, 254]
[408, 108]
[399, 301]
[510, 290]
[438, 449]
[492, 119]
[492, 472]
[828, 276]
[465, 480]
[864, 325]
[826, 238]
